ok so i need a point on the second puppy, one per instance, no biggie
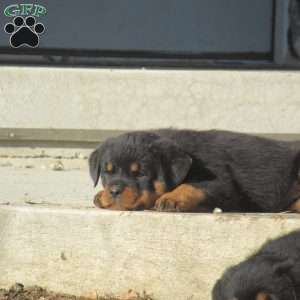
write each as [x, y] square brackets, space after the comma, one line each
[270, 274]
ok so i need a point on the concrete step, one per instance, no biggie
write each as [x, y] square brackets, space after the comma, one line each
[69, 187]
[52, 236]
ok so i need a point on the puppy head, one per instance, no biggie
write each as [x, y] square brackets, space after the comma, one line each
[259, 278]
[136, 168]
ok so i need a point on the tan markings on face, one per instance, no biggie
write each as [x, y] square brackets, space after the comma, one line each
[97, 199]
[159, 187]
[262, 296]
[128, 196]
[109, 167]
[134, 167]
[102, 199]
[130, 199]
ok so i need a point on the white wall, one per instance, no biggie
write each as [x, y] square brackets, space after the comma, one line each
[248, 101]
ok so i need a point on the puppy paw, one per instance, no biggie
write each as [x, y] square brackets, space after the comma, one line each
[185, 198]
[168, 202]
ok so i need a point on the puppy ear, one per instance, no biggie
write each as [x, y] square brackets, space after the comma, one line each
[95, 165]
[175, 162]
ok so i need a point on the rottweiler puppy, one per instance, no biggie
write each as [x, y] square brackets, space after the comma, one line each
[196, 171]
[273, 273]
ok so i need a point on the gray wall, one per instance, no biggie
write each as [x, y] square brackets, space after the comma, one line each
[247, 101]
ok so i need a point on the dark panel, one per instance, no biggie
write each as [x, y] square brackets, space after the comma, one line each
[175, 26]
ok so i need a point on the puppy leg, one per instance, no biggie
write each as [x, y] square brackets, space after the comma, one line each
[202, 196]
[186, 198]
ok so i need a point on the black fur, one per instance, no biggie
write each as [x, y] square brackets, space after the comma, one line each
[159, 158]
[274, 270]
[238, 172]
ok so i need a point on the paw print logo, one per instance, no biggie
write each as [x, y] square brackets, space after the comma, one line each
[24, 32]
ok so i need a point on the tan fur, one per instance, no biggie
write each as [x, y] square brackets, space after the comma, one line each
[109, 167]
[130, 200]
[295, 207]
[183, 198]
[159, 187]
[134, 167]
[262, 296]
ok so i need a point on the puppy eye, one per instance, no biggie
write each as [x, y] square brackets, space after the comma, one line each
[135, 169]
[109, 168]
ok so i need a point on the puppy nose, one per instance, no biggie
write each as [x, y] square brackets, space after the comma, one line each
[115, 190]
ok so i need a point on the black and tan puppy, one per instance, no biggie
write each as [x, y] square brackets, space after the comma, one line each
[184, 170]
[273, 273]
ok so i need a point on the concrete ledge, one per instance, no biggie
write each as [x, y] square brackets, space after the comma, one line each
[247, 101]
[172, 256]
[67, 188]
[49, 236]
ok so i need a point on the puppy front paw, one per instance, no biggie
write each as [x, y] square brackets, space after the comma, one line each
[185, 198]
[172, 203]
[167, 203]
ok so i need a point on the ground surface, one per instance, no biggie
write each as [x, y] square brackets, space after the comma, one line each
[51, 235]
[51, 184]
[19, 292]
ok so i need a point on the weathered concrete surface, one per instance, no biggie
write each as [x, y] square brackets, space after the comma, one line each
[247, 101]
[43, 152]
[51, 235]
[50, 163]
[172, 256]
[36, 185]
